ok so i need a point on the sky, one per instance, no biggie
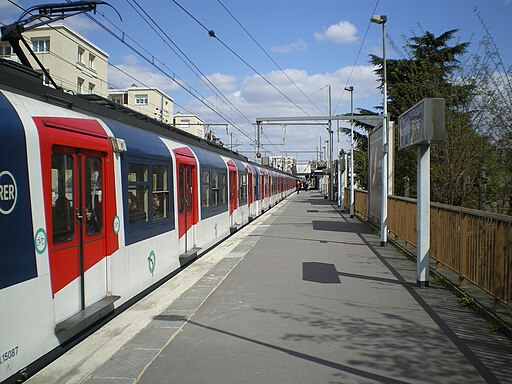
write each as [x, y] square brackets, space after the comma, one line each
[271, 57]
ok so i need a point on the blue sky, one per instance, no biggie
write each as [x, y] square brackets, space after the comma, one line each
[315, 42]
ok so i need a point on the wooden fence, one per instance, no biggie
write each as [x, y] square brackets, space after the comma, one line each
[477, 245]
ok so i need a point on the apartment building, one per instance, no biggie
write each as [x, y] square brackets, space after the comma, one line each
[286, 163]
[150, 101]
[73, 62]
[190, 123]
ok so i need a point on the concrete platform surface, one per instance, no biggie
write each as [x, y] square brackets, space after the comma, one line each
[303, 294]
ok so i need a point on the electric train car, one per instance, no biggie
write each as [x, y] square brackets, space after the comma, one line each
[99, 205]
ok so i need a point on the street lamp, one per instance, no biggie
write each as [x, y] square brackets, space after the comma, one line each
[351, 90]
[330, 190]
[381, 19]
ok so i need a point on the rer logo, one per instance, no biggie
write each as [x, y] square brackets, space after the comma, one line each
[8, 192]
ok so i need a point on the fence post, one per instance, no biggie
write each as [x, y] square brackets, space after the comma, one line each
[499, 265]
[463, 254]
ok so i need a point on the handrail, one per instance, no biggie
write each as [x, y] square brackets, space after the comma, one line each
[477, 245]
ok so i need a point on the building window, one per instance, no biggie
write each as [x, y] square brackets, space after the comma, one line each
[5, 51]
[91, 60]
[41, 45]
[185, 123]
[79, 85]
[91, 88]
[117, 99]
[141, 99]
[81, 53]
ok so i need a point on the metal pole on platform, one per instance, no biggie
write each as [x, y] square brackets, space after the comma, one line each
[381, 19]
[331, 184]
[423, 215]
[352, 192]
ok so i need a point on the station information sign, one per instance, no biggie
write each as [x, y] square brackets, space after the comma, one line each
[422, 124]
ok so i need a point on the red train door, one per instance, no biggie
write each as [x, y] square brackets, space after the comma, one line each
[187, 196]
[250, 186]
[262, 186]
[233, 187]
[78, 184]
[185, 200]
[77, 229]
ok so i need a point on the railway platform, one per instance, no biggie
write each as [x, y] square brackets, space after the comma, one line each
[303, 294]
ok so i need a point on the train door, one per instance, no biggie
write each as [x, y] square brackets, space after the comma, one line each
[79, 200]
[262, 193]
[185, 201]
[187, 197]
[250, 185]
[233, 187]
[78, 238]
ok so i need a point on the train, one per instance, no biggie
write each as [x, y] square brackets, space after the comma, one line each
[98, 206]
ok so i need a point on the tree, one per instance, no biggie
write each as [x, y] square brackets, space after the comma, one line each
[432, 68]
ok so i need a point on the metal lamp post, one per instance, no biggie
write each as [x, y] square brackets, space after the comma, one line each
[351, 90]
[381, 19]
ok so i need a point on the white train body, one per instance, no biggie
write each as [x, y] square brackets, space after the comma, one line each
[97, 208]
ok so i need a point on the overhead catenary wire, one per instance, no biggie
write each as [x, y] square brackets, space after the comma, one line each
[212, 34]
[268, 55]
[151, 62]
[202, 100]
[356, 59]
[186, 59]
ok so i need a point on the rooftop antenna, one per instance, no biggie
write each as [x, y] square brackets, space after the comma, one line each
[39, 15]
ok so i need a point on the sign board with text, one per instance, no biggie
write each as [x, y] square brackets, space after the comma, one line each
[422, 124]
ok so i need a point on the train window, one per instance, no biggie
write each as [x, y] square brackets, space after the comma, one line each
[215, 189]
[63, 223]
[223, 188]
[160, 192]
[205, 189]
[181, 198]
[188, 192]
[242, 186]
[138, 191]
[93, 196]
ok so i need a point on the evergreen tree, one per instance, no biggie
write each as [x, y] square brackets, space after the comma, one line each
[428, 71]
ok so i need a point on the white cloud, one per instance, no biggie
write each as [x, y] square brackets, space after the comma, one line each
[296, 46]
[81, 24]
[342, 33]
[145, 76]
[256, 98]
[225, 83]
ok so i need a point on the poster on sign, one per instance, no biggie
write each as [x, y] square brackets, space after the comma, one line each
[421, 124]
